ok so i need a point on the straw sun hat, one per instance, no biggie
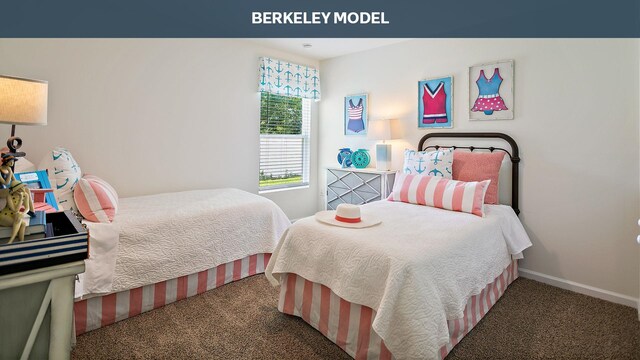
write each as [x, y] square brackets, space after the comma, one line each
[347, 215]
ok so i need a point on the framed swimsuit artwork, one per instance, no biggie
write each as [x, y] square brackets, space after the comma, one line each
[491, 91]
[355, 114]
[435, 103]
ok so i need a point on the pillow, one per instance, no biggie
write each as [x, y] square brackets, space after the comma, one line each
[441, 193]
[64, 174]
[478, 166]
[96, 200]
[433, 163]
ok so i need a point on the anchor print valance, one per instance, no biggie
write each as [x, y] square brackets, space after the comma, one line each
[282, 77]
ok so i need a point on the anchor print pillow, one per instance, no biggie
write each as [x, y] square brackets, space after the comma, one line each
[64, 173]
[432, 163]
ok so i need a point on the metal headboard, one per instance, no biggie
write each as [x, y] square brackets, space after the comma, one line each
[514, 154]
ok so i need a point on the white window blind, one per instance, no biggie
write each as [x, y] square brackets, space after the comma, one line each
[285, 126]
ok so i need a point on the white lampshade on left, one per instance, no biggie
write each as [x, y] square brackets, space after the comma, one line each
[23, 101]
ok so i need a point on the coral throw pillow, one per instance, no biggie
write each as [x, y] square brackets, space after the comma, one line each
[479, 166]
[440, 192]
[96, 200]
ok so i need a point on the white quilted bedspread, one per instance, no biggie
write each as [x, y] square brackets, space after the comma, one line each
[169, 235]
[416, 270]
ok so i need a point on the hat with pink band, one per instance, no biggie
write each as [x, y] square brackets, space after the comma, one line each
[347, 215]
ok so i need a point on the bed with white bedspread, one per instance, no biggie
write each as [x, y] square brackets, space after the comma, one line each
[408, 288]
[160, 237]
[417, 269]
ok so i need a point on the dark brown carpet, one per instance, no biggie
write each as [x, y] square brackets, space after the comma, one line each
[240, 321]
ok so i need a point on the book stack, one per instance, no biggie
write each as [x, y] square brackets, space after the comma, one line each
[37, 228]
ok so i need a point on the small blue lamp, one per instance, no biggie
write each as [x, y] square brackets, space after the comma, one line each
[381, 130]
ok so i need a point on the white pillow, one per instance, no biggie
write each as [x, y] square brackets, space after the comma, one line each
[432, 163]
[64, 173]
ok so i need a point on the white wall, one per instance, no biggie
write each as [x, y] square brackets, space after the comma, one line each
[576, 121]
[153, 115]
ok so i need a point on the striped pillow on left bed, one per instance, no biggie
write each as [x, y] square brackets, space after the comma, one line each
[441, 193]
[97, 201]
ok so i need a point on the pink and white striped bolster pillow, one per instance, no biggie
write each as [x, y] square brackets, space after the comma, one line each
[440, 192]
[96, 200]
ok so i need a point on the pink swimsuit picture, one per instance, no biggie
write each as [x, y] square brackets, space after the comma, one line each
[489, 99]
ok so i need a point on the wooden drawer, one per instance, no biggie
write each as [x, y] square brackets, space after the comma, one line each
[362, 197]
[356, 186]
[352, 179]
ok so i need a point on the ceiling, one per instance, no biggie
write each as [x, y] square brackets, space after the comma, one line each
[322, 49]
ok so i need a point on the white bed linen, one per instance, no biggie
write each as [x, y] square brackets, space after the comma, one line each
[416, 270]
[101, 264]
[169, 235]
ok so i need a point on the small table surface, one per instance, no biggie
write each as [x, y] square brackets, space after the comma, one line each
[369, 170]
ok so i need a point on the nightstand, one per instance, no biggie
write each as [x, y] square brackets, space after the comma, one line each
[36, 312]
[357, 186]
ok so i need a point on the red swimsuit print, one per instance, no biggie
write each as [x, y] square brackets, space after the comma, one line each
[435, 104]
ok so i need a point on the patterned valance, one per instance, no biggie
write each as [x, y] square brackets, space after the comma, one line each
[285, 78]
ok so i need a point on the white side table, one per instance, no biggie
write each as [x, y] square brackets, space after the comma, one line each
[357, 186]
[36, 312]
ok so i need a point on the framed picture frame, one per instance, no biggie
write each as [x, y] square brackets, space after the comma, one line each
[491, 91]
[356, 110]
[435, 102]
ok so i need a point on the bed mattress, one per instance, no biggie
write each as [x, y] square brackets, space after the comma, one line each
[416, 270]
[160, 237]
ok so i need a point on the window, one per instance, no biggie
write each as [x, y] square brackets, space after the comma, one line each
[285, 124]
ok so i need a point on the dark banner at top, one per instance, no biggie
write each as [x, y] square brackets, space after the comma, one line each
[320, 18]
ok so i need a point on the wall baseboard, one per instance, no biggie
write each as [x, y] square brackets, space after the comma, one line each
[582, 288]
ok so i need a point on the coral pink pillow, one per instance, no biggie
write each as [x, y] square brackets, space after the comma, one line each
[479, 166]
[440, 192]
[96, 200]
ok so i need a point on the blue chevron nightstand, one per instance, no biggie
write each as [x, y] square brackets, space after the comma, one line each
[357, 186]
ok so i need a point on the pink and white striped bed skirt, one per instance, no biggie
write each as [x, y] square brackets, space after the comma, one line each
[348, 325]
[94, 313]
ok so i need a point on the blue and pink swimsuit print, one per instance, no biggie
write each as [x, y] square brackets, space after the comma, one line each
[356, 122]
[489, 99]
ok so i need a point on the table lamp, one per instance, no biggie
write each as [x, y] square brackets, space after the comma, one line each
[381, 130]
[22, 102]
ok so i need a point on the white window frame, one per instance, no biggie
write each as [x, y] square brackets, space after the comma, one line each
[305, 138]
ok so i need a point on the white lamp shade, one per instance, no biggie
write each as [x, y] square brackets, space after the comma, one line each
[379, 129]
[23, 101]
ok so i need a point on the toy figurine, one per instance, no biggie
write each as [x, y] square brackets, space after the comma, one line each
[13, 215]
[18, 198]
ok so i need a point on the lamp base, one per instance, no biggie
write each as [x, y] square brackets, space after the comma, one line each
[383, 157]
[13, 144]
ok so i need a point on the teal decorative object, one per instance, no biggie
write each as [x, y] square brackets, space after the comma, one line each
[360, 158]
[344, 157]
